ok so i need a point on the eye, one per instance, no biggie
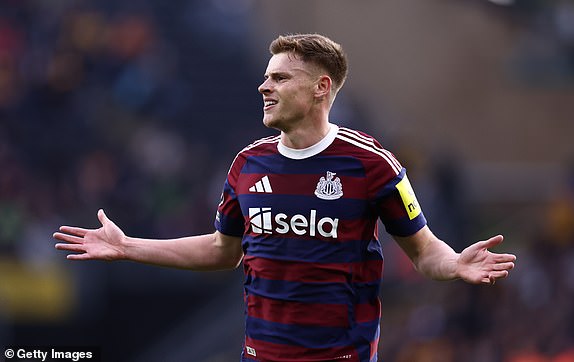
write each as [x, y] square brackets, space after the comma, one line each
[276, 77]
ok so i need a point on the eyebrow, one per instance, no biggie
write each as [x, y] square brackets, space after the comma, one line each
[287, 73]
[276, 74]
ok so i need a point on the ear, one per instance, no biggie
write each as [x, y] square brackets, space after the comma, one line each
[323, 87]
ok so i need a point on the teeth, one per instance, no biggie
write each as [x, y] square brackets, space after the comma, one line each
[270, 103]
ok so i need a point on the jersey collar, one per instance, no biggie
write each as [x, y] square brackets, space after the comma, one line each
[299, 154]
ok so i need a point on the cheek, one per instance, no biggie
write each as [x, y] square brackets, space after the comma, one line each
[299, 99]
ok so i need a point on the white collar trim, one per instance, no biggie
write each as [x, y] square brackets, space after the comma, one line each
[299, 154]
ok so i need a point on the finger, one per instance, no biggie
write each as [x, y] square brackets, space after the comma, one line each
[503, 266]
[502, 258]
[68, 238]
[491, 277]
[74, 230]
[83, 256]
[70, 247]
[498, 274]
[490, 280]
[486, 280]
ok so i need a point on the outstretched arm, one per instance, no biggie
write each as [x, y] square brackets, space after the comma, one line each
[475, 264]
[202, 252]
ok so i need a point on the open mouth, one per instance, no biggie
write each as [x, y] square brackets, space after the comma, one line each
[268, 104]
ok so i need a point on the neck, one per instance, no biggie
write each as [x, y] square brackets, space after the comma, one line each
[305, 135]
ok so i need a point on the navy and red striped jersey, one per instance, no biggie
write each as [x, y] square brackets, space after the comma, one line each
[312, 259]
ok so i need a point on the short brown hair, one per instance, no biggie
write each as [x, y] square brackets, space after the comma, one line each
[317, 49]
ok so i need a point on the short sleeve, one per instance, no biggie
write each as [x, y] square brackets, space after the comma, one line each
[229, 218]
[398, 207]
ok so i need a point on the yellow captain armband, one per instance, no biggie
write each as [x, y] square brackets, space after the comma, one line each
[409, 199]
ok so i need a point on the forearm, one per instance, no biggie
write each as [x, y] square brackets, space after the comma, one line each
[438, 261]
[432, 257]
[201, 252]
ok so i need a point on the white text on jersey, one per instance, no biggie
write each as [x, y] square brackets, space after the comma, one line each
[262, 223]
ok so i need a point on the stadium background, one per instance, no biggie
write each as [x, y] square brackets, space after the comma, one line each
[139, 107]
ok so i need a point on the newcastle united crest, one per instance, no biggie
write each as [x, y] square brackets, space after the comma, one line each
[329, 188]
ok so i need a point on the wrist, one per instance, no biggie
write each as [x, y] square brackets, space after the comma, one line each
[456, 267]
[126, 247]
[451, 268]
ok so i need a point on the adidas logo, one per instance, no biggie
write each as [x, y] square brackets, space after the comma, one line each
[262, 185]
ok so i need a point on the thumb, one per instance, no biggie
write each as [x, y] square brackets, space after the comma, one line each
[492, 242]
[102, 217]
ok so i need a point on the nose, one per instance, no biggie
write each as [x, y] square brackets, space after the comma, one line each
[264, 87]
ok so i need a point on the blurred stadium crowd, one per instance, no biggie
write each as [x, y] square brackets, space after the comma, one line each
[139, 108]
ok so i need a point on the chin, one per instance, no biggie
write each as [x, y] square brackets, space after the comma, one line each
[270, 122]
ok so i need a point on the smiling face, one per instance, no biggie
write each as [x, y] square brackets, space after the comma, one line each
[289, 91]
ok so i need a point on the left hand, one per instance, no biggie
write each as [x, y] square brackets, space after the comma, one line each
[477, 265]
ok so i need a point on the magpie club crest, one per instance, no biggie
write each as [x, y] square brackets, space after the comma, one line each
[330, 187]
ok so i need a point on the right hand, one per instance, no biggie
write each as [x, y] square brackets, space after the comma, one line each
[104, 243]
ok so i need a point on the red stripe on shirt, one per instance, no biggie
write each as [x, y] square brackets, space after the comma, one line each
[368, 312]
[360, 272]
[279, 311]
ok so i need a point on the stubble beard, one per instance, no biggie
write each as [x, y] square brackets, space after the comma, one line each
[282, 122]
[272, 121]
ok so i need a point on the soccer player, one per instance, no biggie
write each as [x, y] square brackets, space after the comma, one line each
[300, 210]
